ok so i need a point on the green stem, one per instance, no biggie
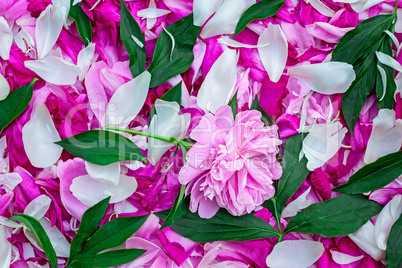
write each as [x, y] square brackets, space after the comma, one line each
[170, 140]
[396, 7]
[280, 238]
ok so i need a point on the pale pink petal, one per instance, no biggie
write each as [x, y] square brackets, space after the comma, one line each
[295, 254]
[6, 39]
[38, 136]
[327, 32]
[5, 249]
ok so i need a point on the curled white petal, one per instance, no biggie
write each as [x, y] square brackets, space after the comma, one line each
[38, 136]
[24, 40]
[54, 70]
[219, 83]
[225, 40]
[109, 173]
[203, 9]
[127, 101]
[4, 88]
[225, 18]
[84, 59]
[388, 216]
[295, 254]
[326, 77]
[6, 39]
[388, 60]
[323, 9]
[342, 258]
[364, 238]
[386, 136]
[166, 123]
[48, 28]
[296, 205]
[274, 56]
[37, 208]
[90, 191]
[152, 13]
[322, 143]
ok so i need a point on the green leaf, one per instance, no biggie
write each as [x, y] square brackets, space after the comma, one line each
[89, 223]
[354, 98]
[173, 94]
[293, 175]
[388, 101]
[129, 29]
[221, 227]
[177, 211]
[167, 63]
[110, 258]
[268, 121]
[362, 40]
[82, 22]
[37, 229]
[102, 147]
[259, 11]
[233, 104]
[337, 216]
[112, 234]
[393, 255]
[374, 176]
[15, 103]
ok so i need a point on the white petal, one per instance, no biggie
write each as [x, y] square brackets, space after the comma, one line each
[225, 40]
[296, 205]
[342, 258]
[219, 83]
[388, 60]
[322, 143]
[109, 173]
[10, 180]
[5, 249]
[76, 2]
[4, 88]
[323, 9]
[90, 191]
[24, 40]
[84, 59]
[59, 242]
[12, 224]
[398, 24]
[54, 70]
[362, 5]
[274, 56]
[295, 254]
[37, 208]
[203, 9]
[38, 136]
[384, 81]
[226, 17]
[127, 101]
[388, 215]
[48, 27]
[152, 13]
[166, 123]
[326, 77]
[6, 39]
[386, 136]
[365, 240]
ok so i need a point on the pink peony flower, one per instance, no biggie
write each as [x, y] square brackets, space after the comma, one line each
[233, 163]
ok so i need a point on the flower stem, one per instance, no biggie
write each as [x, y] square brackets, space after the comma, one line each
[170, 140]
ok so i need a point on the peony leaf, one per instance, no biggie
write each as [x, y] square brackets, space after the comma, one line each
[363, 39]
[173, 53]
[15, 103]
[178, 209]
[338, 216]
[221, 227]
[89, 223]
[268, 121]
[233, 104]
[173, 94]
[133, 40]
[83, 23]
[354, 98]
[393, 255]
[110, 258]
[39, 232]
[374, 176]
[259, 11]
[102, 147]
[294, 173]
[112, 234]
